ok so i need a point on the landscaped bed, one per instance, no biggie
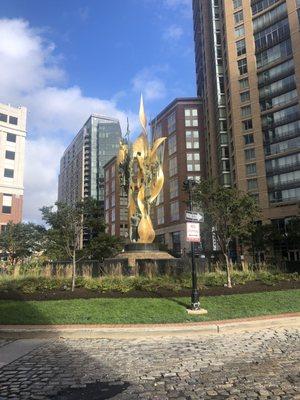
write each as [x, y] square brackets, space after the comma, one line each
[210, 284]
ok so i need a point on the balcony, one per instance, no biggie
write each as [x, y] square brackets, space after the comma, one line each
[285, 120]
[284, 185]
[280, 169]
[274, 93]
[264, 44]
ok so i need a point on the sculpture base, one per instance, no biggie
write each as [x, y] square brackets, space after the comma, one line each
[142, 258]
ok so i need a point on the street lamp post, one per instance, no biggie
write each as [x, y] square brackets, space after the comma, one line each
[195, 297]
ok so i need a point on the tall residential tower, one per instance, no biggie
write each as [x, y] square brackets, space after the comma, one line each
[12, 152]
[248, 75]
[81, 166]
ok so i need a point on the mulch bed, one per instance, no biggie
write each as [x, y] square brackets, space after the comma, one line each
[82, 293]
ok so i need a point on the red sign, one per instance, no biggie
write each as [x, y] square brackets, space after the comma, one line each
[192, 232]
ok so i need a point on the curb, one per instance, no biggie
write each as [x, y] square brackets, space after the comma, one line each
[144, 331]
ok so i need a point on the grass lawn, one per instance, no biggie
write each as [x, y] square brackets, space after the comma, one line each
[146, 310]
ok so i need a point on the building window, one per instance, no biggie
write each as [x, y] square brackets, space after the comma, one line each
[272, 35]
[246, 111]
[6, 203]
[3, 117]
[11, 137]
[106, 203]
[13, 120]
[172, 166]
[261, 5]
[157, 131]
[10, 155]
[173, 188]
[193, 161]
[249, 154]
[252, 184]
[113, 171]
[245, 96]
[248, 139]
[251, 169]
[237, 4]
[113, 186]
[191, 117]
[270, 16]
[172, 123]
[238, 17]
[113, 215]
[8, 173]
[107, 217]
[244, 83]
[192, 139]
[176, 242]
[174, 207]
[242, 66]
[160, 213]
[113, 200]
[239, 31]
[247, 125]
[113, 229]
[241, 47]
[277, 52]
[172, 145]
[160, 197]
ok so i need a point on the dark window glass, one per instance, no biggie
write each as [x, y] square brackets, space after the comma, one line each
[6, 209]
[248, 138]
[3, 117]
[247, 125]
[10, 155]
[8, 173]
[13, 120]
[242, 66]
[11, 137]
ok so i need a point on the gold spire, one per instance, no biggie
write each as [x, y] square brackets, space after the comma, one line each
[143, 119]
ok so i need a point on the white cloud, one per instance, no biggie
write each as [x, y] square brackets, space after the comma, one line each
[42, 159]
[147, 82]
[173, 32]
[183, 6]
[32, 76]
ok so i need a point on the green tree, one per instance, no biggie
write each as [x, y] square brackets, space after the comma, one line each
[77, 232]
[21, 240]
[229, 212]
[64, 235]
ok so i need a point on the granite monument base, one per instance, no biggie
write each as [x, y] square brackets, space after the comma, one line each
[143, 259]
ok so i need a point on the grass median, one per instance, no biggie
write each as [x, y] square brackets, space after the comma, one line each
[146, 310]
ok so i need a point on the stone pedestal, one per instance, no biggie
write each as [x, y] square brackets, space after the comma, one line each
[142, 258]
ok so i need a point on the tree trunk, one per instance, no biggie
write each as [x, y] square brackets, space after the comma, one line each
[228, 269]
[73, 271]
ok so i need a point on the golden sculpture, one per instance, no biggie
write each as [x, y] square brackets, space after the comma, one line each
[142, 178]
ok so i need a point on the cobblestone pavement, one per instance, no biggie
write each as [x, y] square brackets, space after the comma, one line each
[260, 365]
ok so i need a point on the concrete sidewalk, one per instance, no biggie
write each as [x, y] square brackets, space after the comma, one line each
[145, 330]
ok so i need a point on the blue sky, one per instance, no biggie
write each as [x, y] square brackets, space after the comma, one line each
[67, 59]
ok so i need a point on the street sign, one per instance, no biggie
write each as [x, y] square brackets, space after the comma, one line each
[192, 232]
[194, 216]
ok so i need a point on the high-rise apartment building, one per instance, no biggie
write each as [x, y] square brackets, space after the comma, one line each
[248, 75]
[12, 152]
[116, 201]
[81, 166]
[184, 158]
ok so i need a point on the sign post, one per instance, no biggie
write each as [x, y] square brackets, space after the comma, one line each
[193, 236]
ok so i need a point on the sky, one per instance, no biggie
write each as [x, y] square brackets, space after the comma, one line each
[65, 59]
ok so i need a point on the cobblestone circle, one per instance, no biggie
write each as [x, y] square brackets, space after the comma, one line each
[260, 365]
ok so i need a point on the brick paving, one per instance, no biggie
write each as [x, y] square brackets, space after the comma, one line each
[260, 365]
